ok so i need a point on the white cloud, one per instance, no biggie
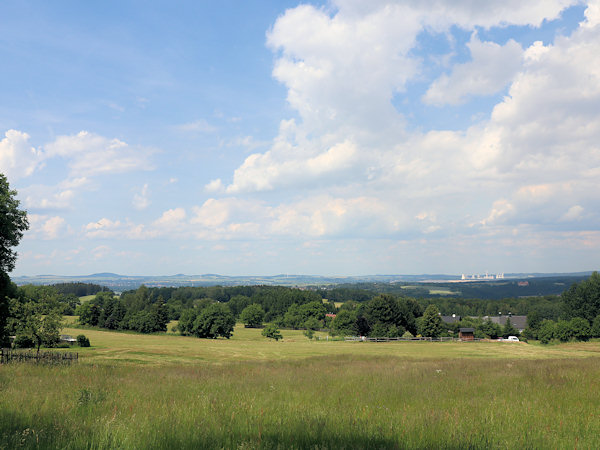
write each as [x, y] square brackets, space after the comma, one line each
[17, 157]
[89, 154]
[57, 197]
[279, 168]
[46, 227]
[140, 199]
[343, 68]
[198, 126]
[574, 213]
[170, 219]
[492, 67]
[215, 186]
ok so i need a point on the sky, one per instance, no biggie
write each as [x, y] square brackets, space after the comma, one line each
[336, 137]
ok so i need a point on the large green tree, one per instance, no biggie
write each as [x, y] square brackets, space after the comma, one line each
[431, 322]
[13, 222]
[40, 327]
[252, 316]
[583, 299]
[214, 321]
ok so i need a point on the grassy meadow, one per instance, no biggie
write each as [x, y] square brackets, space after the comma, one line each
[167, 391]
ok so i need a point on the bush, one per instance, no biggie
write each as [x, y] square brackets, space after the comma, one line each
[272, 332]
[580, 329]
[546, 331]
[22, 341]
[83, 341]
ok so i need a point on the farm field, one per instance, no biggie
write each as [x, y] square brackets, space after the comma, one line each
[166, 391]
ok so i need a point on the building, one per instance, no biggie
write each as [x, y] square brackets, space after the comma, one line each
[466, 334]
[451, 319]
[519, 322]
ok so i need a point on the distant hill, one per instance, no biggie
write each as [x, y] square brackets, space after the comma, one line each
[426, 285]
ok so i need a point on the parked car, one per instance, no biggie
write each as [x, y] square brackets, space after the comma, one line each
[512, 338]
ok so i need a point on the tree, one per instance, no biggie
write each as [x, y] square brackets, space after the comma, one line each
[508, 329]
[252, 316]
[214, 321]
[383, 309]
[583, 299]
[186, 321]
[490, 329]
[580, 329]
[431, 322]
[293, 317]
[345, 323]
[595, 331]
[546, 331]
[562, 330]
[41, 329]
[272, 332]
[13, 222]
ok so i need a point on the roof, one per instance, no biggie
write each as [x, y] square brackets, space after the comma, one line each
[467, 330]
[451, 319]
[519, 322]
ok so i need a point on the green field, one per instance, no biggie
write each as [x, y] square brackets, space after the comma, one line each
[167, 391]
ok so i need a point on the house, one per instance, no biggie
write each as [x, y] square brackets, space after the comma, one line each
[466, 334]
[519, 322]
[451, 319]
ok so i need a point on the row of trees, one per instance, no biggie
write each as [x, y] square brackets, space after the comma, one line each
[135, 311]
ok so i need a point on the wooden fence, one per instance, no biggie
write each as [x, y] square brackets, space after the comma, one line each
[8, 355]
[389, 339]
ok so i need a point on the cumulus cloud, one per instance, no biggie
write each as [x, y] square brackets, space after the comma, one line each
[492, 67]
[91, 154]
[348, 166]
[58, 197]
[46, 227]
[535, 157]
[17, 157]
[279, 168]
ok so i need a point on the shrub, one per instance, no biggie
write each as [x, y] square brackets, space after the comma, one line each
[83, 341]
[580, 329]
[23, 341]
[272, 332]
[546, 331]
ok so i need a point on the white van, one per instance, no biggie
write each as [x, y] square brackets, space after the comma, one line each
[512, 338]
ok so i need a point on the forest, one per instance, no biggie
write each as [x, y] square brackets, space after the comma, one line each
[212, 311]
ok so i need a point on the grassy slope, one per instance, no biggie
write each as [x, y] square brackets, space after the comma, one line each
[135, 391]
[249, 345]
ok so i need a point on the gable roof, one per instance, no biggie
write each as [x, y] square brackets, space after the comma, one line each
[451, 319]
[519, 322]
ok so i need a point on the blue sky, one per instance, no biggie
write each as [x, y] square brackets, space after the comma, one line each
[335, 138]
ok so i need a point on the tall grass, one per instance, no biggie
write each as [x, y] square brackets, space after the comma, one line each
[344, 401]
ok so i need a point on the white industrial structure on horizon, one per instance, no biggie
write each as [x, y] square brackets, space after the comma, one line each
[487, 276]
